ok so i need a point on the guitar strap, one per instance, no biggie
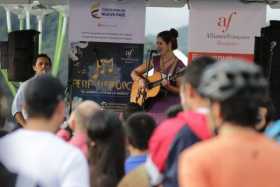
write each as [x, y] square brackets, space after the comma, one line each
[173, 68]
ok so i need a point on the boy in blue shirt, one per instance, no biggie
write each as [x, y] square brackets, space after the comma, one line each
[139, 128]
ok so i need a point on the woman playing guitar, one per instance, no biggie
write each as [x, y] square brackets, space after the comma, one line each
[167, 64]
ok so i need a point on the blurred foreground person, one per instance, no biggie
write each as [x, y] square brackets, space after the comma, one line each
[77, 125]
[106, 149]
[172, 111]
[6, 177]
[174, 135]
[238, 155]
[35, 151]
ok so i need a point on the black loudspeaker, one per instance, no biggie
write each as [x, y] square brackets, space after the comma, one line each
[22, 49]
[4, 55]
[267, 55]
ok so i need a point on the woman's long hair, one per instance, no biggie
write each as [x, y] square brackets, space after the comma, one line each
[106, 149]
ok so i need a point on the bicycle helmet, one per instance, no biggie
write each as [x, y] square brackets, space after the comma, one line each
[225, 79]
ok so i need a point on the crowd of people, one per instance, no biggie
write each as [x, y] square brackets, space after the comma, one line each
[222, 133]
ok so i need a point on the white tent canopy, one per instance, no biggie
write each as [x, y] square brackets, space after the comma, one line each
[149, 3]
[44, 2]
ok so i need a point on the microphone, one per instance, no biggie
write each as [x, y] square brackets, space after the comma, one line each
[154, 51]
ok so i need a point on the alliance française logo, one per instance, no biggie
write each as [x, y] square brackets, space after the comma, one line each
[224, 22]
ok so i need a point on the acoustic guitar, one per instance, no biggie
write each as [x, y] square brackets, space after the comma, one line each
[152, 89]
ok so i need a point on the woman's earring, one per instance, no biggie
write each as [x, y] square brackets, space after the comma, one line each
[170, 49]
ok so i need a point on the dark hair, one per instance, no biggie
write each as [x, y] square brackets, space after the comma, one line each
[42, 95]
[130, 109]
[139, 128]
[270, 115]
[170, 36]
[43, 55]
[195, 69]
[241, 109]
[173, 110]
[107, 154]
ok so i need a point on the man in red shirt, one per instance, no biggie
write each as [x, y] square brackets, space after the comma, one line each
[174, 135]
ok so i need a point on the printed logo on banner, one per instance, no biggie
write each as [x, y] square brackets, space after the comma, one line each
[98, 12]
[94, 10]
[224, 22]
[129, 55]
[225, 37]
[129, 52]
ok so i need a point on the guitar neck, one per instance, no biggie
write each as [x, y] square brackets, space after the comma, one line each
[158, 82]
[154, 84]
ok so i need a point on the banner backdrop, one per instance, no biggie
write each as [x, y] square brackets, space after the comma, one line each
[107, 21]
[105, 48]
[225, 29]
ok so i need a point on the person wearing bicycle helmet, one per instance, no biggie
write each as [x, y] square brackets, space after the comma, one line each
[238, 155]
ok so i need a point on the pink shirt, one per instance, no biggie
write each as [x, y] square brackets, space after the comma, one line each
[79, 140]
[240, 159]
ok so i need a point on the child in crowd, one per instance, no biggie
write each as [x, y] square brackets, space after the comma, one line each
[139, 128]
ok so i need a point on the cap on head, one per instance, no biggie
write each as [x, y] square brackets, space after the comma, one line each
[225, 79]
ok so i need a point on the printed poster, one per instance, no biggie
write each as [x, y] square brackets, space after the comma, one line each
[105, 46]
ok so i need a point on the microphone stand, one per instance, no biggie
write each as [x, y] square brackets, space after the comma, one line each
[148, 64]
[150, 53]
[272, 46]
